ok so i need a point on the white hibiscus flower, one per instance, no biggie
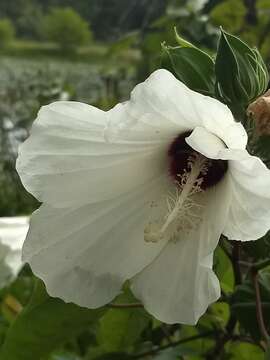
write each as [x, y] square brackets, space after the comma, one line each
[13, 231]
[141, 193]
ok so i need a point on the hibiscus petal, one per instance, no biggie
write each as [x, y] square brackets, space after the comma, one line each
[218, 119]
[179, 284]
[162, 105]
[66, 160]
[249, 214]
[211, 146]
[232, 133]
[205, 142]
[85, 254]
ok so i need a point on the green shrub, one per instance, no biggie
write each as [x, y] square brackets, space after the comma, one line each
[66, 28]
[230, 14]
[7, 32]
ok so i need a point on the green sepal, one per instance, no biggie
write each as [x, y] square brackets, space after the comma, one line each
[181, 41]
[190, 65]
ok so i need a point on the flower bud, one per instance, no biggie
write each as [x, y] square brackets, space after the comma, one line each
[241, 74]
[259, 110]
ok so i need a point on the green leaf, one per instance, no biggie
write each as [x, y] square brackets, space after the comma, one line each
[267, 353]
[169, 354]
[224, 270]
[63, 355]
[195, 347]
[43, 325]
[244, 351]
[219, 313]
[121, 328]
[244, 304]
[190, 65]
[22, 288]
[229, 14]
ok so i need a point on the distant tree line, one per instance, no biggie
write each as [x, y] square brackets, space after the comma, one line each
[108, 18]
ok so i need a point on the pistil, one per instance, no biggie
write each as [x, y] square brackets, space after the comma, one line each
[181, 206]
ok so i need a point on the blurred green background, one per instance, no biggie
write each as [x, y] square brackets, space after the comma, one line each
[95, 51]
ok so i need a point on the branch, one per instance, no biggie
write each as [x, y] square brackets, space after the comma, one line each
[250, 305]
[173, 344]
[251, 14]
[264, 34]
[223, 339]
[235, 262]
[261, 264]
[257, 265]
[259, 312]
[243, 338]
[166, 332]
[125, 306]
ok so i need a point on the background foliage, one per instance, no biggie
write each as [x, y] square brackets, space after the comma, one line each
[124, 48]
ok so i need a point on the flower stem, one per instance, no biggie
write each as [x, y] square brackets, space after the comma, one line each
[235, 263]
[172, 344]
[125, 306]
[259, 311]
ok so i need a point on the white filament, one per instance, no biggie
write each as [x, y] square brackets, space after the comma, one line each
[180, 205]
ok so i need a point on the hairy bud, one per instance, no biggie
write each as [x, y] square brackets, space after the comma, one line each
[259, 110]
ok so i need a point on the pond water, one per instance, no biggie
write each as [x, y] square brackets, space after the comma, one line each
[84, 82]
[26, 85]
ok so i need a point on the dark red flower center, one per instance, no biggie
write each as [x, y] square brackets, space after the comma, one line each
[179, 154]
